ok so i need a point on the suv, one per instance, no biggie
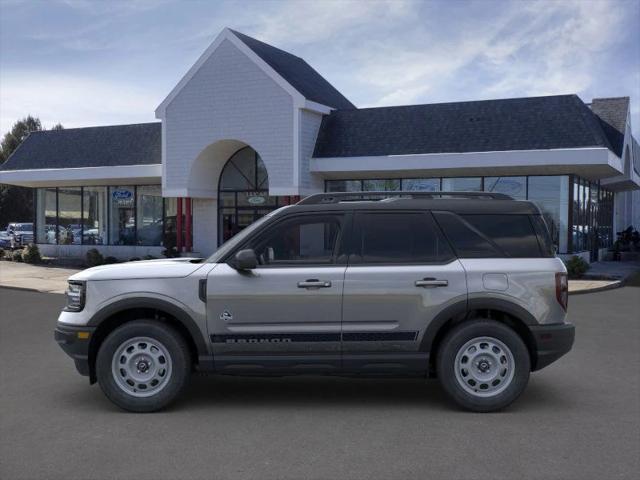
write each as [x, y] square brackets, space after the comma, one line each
[464, 287]
[19, 234]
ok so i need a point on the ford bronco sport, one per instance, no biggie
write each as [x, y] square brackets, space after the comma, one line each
[463, 286]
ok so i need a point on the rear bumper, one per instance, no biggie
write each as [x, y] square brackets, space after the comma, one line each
[552, 342]
[72, 340]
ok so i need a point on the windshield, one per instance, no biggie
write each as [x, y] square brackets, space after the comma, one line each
[233, 242]
[23, 227]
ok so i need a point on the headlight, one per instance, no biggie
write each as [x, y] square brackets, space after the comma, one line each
[75, 296]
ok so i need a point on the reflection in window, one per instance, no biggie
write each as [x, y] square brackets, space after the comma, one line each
[46, 215]
[170, 215]
[421, 184]
[381, 185]
[122, 221]
[300, 241]
[462, 184]
[69, 216]
[94, 216]
[149, 215]
[551, 194]
[344, 185]
[515, 187]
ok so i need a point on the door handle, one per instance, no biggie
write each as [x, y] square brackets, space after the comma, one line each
[431, 283]
[314, 283]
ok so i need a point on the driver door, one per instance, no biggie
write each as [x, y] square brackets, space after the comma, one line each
[286, 313]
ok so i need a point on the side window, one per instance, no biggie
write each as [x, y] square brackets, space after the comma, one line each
[309, 239]
[468, 241]
[399, 237]
[514, 234]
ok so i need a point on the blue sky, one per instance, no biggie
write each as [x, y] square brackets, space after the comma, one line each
[84, 63]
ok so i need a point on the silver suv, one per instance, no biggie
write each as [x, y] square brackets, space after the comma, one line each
[464, 287]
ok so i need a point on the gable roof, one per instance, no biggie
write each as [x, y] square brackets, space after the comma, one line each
[110, 146]
[298, 73]
[533, 123]
[612, 113]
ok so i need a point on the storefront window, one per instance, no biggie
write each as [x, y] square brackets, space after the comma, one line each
[170, 215]
[462, 184]
[94, 215]
[122, 218]
[381, 185]
[344, 185]
[69, 216]
[551, 194]
[421, 184]
[149, 215]
[46, 215]
[515, 187]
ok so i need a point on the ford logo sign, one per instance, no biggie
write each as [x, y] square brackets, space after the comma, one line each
[256, 200]
[122, 194]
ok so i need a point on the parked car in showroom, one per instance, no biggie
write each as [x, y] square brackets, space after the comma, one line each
[460, 286]
[19, 234]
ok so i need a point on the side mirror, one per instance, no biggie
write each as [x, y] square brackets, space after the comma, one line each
[245, 260]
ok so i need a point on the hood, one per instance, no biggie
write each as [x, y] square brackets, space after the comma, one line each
[164, 268]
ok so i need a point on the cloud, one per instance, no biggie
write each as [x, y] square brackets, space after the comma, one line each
[73, 101]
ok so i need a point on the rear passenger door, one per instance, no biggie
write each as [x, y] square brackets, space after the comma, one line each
[401, 274]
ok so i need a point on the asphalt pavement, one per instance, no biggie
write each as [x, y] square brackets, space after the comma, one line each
[578, 419]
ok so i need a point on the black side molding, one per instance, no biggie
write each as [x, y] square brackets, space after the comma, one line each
[202, 290]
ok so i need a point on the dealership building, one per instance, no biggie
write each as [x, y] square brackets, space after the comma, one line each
[250, 128]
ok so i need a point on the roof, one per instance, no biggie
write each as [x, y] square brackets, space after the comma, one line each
[533, 123]
[612, 112]
[116, 145]
[298, 73]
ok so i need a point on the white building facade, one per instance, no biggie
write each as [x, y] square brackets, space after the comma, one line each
[250, 128]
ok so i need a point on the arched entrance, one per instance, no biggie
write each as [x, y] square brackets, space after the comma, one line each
[243, 193]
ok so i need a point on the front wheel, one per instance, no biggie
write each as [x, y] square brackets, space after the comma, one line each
[143, 365]
[483, 365]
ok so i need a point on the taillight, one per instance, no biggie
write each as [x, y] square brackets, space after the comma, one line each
[562, 290]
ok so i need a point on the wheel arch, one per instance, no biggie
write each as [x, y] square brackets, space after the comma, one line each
[126, 310]
[503, 311]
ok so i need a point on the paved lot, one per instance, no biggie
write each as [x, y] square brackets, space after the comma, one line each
[579, 418]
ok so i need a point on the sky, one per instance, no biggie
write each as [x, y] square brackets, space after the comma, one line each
[85, 63]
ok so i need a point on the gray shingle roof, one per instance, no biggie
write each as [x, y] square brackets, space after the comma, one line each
[298, 73]
[533, 123]
[138, 144]
[612, 112]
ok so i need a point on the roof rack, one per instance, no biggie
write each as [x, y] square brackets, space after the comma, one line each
[337, 197]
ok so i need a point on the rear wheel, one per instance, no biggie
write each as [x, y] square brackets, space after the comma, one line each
[483, 365]
[143, 365]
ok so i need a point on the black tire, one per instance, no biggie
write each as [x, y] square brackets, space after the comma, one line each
[456, 340]
[180, 360]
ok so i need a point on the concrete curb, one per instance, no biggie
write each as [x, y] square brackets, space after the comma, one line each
[611, 286]
[29, 289]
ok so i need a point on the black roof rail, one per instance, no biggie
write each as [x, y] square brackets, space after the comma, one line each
[337, 197]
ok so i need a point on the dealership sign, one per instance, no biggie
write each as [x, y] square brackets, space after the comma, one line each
[122, 197]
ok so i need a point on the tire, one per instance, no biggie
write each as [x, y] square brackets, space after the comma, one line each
[483, 365]
[143, 365]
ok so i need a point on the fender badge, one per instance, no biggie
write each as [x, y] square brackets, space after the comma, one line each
[226, 316]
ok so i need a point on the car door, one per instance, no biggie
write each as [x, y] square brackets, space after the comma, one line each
[402, 272]
[286, 313]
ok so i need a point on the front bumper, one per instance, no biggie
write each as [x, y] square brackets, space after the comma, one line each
[75, 343]
[552, 342]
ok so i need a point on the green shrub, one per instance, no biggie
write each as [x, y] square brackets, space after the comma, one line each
[16, 256]
[110, 260]
[134, 259]
[31, 254]
[171, 252]
[576, 266]
[1, 253]
[94, 258]
[148, 257]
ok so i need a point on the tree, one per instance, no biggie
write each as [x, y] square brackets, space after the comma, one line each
[16, 203]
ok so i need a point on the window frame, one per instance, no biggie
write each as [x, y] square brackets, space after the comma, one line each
[353, 235]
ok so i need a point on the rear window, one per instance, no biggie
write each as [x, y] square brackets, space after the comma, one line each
[513, 234]
[486, 236]
[392, 238]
